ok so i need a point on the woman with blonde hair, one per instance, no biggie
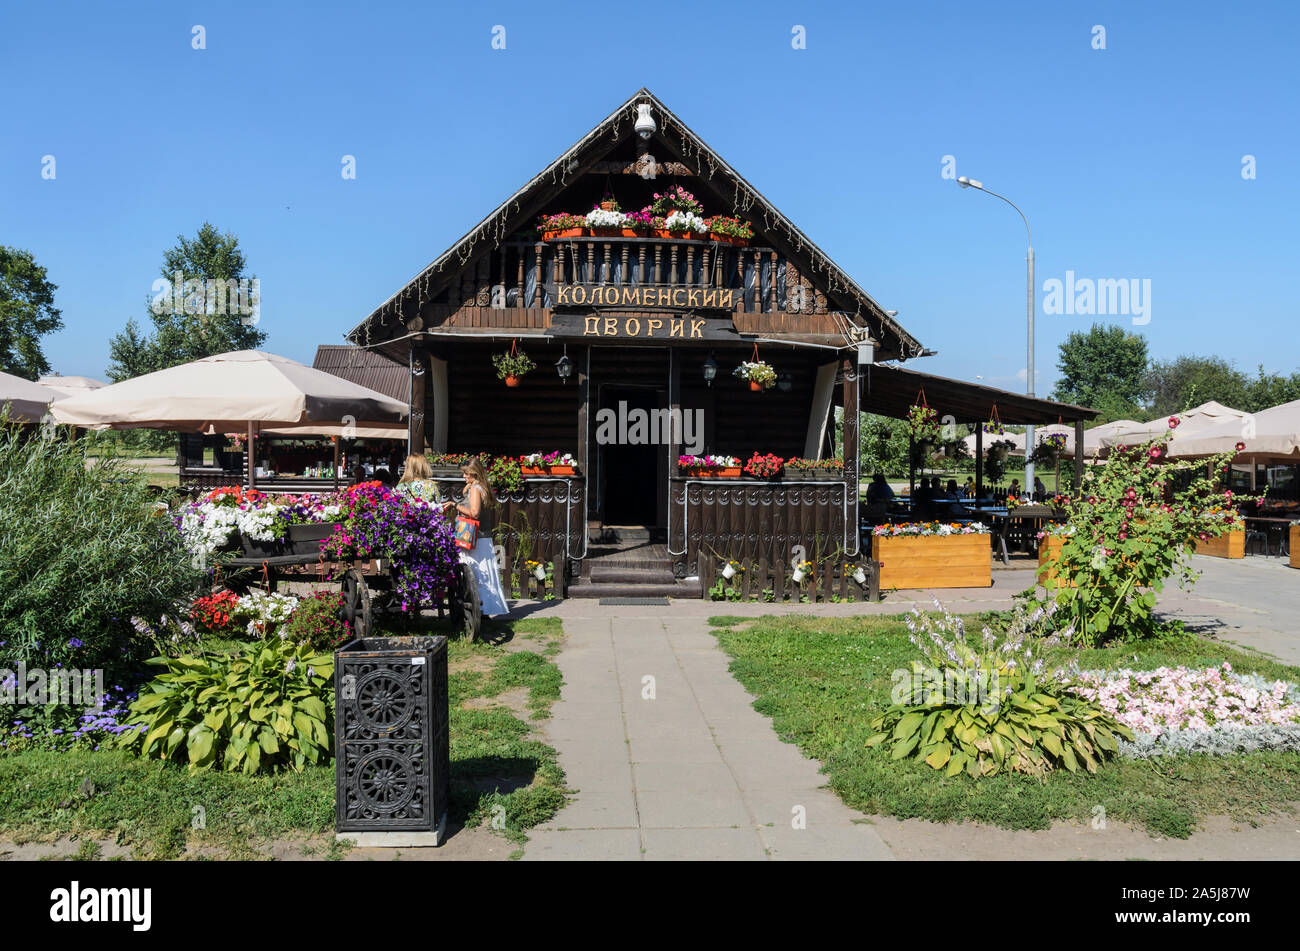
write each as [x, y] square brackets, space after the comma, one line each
[480, 504]
[417, 481]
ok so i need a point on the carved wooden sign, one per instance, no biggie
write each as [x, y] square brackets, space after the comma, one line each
[657, 297]
[668, 328]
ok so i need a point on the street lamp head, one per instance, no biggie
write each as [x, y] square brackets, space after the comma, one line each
[965, 182]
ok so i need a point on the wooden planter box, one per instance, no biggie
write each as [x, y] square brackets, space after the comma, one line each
[1293, 545]
[1231, 545]
[933, 561]
[1049, 549]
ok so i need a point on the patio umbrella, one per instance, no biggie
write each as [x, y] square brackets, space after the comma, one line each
[227, 393]
[1093, 437]
[1191, 423]
[71, 385]
[231, 392]
[27, 401]
[1271, 434]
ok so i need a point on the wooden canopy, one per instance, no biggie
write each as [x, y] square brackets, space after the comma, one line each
[891, 391]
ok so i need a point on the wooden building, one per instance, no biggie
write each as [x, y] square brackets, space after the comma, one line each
[638, 319]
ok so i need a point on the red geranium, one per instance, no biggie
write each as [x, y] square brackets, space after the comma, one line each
[214, 614]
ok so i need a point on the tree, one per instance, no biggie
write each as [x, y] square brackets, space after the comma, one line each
[203, 305]
[1103, 366]
[27, 312]
[1174, 386]
[1270, 389]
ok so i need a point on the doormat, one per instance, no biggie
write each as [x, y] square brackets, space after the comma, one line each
[659, 602]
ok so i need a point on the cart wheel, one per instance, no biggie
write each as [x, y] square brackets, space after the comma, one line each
[356, 602]
[471, 608]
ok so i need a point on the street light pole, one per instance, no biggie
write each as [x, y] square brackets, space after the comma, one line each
[965, 182]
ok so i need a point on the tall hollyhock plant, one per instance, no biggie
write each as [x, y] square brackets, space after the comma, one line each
[416, 539]
[1127, 534]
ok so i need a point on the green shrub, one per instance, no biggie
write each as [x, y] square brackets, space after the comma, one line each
[83, 549]
[990, 709]
[267, 707]
[317, 622]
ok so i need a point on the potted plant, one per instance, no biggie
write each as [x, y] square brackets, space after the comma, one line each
[685, 224]
[636, 224]
[801, 570]
[730, 569]
[550, 463]
[764, 465]
[819, 470]
[923, 423]
[512, 365]
[609, 203]
[675, 199]
[562, 225]
[732, 231]
[658, 228]
[759, 374]
[605, 224]
[710, 467]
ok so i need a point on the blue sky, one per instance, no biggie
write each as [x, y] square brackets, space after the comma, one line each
[1128, 160]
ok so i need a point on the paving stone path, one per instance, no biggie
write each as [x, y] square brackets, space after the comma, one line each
[672, 762]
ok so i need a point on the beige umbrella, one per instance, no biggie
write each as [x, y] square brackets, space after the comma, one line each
[228, 392]
[1092, 438]
[27, 401]
[1194, 420]
[1270, 434]
[231, 392]
[71, 385]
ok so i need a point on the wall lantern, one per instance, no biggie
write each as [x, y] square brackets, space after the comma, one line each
[645, 123]
[785, 382]
[710, 370]
[564, 366]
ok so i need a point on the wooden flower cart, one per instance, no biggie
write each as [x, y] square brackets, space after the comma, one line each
[366, 586]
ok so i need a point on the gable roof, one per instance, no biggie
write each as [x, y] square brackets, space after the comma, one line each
[368, 368]
[519, 209]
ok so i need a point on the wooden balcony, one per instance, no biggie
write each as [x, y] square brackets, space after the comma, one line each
[526, 274]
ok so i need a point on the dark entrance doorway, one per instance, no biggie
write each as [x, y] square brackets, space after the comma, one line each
[630, 471]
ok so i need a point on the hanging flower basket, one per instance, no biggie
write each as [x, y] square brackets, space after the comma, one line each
[994, 426]
[757, 373]
[513, 365]
[922, 421]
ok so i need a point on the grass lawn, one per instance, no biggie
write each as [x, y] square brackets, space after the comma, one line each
[822, 679]
[496, 689]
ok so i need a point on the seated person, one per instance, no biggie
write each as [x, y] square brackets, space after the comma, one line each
[384, 477]
[357, 474]
[879, 490]
[970, 487]
[923, 501]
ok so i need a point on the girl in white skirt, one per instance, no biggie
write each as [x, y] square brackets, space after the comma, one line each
[479, 503]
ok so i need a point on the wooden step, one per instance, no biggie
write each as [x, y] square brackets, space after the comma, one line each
[627, 574]
[679, 589]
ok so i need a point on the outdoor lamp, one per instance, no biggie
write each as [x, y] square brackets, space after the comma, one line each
[965, 182]
[645, 123]
[710, 370]
[564, 366]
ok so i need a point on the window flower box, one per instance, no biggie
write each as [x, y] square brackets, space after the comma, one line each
[933, 555]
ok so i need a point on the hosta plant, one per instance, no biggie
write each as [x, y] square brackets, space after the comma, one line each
[265, 708]
[989, 707]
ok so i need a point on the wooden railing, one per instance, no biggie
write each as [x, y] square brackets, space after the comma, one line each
[522, 274]
[750, 520]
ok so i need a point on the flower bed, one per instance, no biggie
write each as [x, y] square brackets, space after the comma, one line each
[1182, 709]
[933, 555]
